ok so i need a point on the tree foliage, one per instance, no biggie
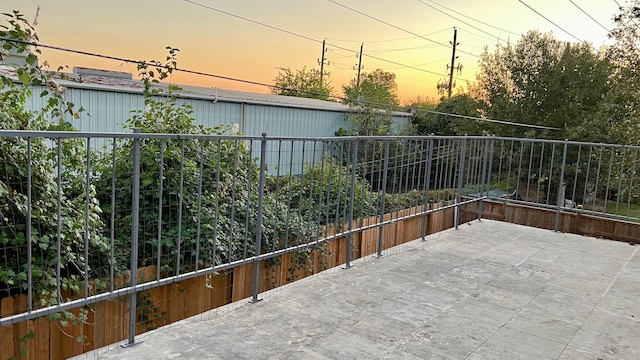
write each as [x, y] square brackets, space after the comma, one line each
[304, 82]
[624, 107]
[378, 88]
[435, 119]
[542, 81]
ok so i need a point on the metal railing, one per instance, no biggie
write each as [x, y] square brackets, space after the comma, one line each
[74, 221]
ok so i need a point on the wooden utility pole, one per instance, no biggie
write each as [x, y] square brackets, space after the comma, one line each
[322, 60]
[359, 68]
[453, 59]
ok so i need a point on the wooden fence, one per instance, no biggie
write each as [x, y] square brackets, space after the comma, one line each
[570, 222]
[107, 321]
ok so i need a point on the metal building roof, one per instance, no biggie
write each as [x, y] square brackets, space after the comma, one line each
[106, 80]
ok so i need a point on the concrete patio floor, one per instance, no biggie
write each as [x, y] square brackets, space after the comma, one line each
[489, 290]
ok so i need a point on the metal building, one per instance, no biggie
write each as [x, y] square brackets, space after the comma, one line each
[110, 96]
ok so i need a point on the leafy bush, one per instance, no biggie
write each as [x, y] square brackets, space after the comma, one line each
[215, 225]
[14, 204]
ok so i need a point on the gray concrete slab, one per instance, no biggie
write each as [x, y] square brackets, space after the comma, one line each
[489, 290]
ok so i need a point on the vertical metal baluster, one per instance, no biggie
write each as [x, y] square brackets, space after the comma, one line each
[354, 160]
[586, 178]
[483, 176]
[509, 170]
[383, 194]
[28, 230]
[160, 205]
[198, 223]
[112, 257]
[59, 228]
[298, 227]
[180, 205]
[248, 205]
[632, 177]
[595, 189]
[540, 173]
[531, 153]
[87, 198]
[460, 183]
[575, 180]
[624, 156]
[286, 236]
[561, 186]
[553, 154]
[427, 186]
[256, 262]
[607, 191]
[214, 244]
[232, 223]
[135, 224]
[273, 247]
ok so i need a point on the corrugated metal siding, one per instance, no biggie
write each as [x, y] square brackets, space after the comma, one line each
[282, 121]
[399, 124]
[211, 114]
[109, 110]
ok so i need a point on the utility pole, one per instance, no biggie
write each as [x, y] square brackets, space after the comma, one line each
[359, 68]
[453, 59]
[322, 60]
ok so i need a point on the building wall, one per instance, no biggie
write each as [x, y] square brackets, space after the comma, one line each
[110, 109]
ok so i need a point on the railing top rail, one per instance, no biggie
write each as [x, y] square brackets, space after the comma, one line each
[124, 135]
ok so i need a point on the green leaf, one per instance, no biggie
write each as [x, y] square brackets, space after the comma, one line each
[31, 59]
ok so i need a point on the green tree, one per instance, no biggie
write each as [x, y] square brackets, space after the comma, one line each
[302, 83]
[542, 81]
[624, 108]
[377, 88]
[435, 119]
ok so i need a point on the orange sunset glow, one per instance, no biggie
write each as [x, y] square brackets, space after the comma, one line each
[225, 37]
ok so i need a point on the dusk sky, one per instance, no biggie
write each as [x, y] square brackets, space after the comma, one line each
[217, 43]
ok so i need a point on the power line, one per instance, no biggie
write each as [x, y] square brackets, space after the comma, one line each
[390, 40]
[590, 17]
[223, 77]
[474, 19]
[310, 38]
[494, 121]
[394, 26]
[462, 21]
[467, 31]
[554, 24]
[253, 21]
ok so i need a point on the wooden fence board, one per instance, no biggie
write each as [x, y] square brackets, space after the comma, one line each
[43, 339]
[19, 329]
[6, 332]
[98, 326]
[369, 241]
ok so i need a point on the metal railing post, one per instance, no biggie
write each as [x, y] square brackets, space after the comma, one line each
[135, 219]
[383, 195]
[460, 183]
[28, 231]
[354, 159]
[256, 263]
[482, 181]
[561, 187]
[427, 188]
